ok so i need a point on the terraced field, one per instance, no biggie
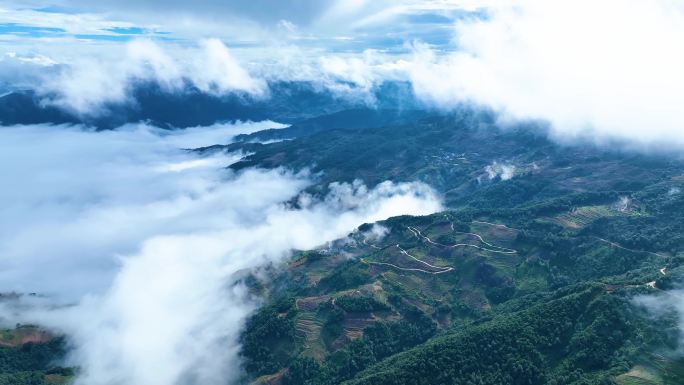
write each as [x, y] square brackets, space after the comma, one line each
[655, 370]
[580, 217]
[23, 335]
[430, 266]
[308, 332]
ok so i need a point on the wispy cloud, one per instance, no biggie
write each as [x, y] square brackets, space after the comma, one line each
[89, 195]
[331, 25]
[85, 87]
[666, 303]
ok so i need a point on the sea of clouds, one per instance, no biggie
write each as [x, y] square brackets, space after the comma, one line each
[136, 246]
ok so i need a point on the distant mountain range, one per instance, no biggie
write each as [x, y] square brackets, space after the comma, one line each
[286, 102]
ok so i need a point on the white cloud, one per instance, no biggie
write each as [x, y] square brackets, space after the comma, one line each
[607, 69]
[172, 304]
[503, 171]
[87, 85]
[24, 71]
[351, 15]
[89, 194]
[354, 70]
[145, 241]
[376, 233]
[262, 11]
[356, 76]
[218, 72]
[76, 23]
[670, 302]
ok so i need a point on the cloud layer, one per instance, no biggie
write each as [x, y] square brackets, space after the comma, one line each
[87, 85]
[145, 243]
[606, 70]
[89, 194]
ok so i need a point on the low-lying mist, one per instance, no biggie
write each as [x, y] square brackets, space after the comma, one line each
[137, 246]
[666, 303]
[74, 196]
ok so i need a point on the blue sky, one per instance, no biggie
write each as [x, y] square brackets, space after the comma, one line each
[331, 25]
[52, 22]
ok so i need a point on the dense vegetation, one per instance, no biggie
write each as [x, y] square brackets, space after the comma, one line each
[560, 316]
[545, 299]
[563, 341]
[32, 363]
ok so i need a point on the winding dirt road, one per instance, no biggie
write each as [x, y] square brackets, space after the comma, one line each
[440, 269]
[448, 269]
[495, 225]
[443, 269]
[628, 249]
[502, 250]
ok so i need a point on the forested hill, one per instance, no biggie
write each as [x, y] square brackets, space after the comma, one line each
[464, 154]
[529, 277]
